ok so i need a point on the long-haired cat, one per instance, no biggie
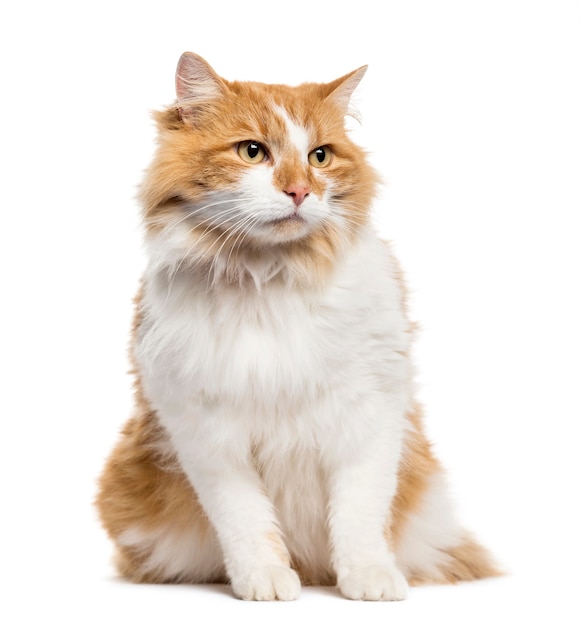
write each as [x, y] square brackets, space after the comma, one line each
[275, 439]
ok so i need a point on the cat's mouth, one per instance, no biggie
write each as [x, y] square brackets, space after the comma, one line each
[293, 218]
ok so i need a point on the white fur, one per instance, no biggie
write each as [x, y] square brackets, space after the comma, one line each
[286, 409]
[297, 135]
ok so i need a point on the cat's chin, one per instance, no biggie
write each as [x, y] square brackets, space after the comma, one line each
[284, 229]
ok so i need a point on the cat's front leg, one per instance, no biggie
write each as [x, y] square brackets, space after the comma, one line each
[217, 459]
[360, 492]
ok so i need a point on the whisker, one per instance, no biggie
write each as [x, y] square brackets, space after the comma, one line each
[200, 209]
[237, 230]
[186, 257]
[245, 234]
[240, 239]
[230, 229]
[227, 227]
[213, 221]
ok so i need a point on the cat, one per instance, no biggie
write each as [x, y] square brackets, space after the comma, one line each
[276, 440]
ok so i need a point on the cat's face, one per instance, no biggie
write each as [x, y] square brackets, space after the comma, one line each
[248, 166]
[280, 191]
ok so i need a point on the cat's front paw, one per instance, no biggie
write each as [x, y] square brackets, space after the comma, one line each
[273, 582]
[374, 583]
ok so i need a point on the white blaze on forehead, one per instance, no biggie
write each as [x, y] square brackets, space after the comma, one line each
[298, 135]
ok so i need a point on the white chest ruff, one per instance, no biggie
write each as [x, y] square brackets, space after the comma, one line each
[278, 348]
[282, 373]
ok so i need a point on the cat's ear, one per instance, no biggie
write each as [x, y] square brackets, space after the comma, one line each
[340, 91]
[196, 84]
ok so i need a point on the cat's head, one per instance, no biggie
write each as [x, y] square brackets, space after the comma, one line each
[255, 178]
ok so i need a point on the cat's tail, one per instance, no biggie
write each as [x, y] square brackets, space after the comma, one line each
[431, 546]
[465, 561]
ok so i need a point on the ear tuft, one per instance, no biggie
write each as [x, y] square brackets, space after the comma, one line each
[196, 83]
[340, 91]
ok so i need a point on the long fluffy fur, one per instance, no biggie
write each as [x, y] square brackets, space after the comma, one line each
[287, 337]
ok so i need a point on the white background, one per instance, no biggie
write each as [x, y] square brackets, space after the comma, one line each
[471, 110]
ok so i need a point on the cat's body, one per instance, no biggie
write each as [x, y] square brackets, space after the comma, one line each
[276, 430]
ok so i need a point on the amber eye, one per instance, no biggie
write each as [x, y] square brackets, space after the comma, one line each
[251, 151]
[320, 157]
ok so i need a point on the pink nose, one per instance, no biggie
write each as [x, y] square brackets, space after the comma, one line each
[298, 193]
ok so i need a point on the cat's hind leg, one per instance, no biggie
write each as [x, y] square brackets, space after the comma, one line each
[151, 512]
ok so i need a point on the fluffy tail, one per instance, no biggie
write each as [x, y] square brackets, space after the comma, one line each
[430, 545]
[465, 561]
